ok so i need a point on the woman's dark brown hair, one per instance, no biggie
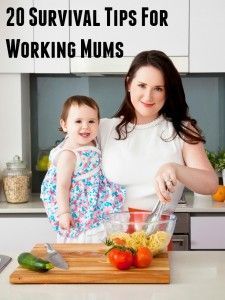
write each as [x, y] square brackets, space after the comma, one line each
[175, 108]
[78, 100]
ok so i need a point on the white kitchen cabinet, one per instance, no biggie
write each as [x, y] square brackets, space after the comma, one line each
[116, 65]
[207, 31]
[172, 39]
[21, 232]
[24, 33]
[51, 34]
[207, 232]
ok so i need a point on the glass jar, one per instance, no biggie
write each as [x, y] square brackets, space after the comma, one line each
[16, 181]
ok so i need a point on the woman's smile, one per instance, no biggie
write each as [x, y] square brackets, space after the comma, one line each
[147, 105]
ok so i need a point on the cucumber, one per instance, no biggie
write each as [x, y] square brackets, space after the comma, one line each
[28, 261]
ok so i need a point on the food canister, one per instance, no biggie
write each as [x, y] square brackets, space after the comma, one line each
[16, 181]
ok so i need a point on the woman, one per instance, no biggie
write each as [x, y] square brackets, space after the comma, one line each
[152, 145]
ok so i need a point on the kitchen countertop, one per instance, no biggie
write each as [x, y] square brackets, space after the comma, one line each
[33, 206]
[195, 275]
[195, 204]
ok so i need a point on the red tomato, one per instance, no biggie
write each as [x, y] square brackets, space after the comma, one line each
[142, 258]
[121, 259]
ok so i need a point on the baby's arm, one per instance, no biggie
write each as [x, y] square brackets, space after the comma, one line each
[65, 168]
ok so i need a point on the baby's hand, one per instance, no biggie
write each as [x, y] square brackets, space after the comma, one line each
[66, 221]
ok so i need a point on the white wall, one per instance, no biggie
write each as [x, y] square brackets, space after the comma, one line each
[13, 100]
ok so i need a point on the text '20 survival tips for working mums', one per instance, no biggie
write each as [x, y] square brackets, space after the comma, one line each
[75, 19]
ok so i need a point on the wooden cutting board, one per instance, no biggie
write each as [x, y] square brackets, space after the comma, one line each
[88, 264]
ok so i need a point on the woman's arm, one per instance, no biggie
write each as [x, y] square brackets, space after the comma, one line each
[197, 175]
[65, 169]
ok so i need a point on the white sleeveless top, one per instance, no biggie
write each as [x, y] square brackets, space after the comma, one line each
[133, 162]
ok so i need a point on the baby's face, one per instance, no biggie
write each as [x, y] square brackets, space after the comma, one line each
[81, 124]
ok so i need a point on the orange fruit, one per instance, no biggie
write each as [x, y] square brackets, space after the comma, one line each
[119, 241]
[142, 258]
[219, 195]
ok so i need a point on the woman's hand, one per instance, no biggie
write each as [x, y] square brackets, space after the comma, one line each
[66, 221]
[165, 181]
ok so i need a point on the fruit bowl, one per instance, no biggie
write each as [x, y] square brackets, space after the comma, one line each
[133, 230]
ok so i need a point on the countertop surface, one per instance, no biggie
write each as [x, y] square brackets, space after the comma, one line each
[195, 275]
[195, 203]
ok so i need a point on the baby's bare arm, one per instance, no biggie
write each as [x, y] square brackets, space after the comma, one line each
[65, 168]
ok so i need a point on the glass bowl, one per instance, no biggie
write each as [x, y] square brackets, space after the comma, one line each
[133, 228]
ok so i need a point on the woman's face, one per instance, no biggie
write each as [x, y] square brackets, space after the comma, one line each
[147, 93]
[81, 124]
